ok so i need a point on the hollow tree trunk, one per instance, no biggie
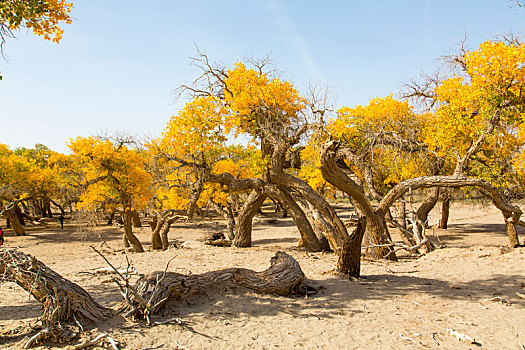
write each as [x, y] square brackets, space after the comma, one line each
[283, 277]
[62, 300]
[12, 218]
[349, 262]
[128, 232]
[445, 210]
[243, 233]
[136, 219]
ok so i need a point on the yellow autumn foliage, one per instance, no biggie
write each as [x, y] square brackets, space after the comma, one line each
[111, 173]
[42, 17]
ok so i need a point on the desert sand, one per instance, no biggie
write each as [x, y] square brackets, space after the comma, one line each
[471, 285]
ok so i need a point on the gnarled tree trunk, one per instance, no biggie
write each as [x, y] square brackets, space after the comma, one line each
[445, 210]
[13, 220]
[510, 212]
[308, 237]
[156, 226]
[376, 227]
[349, 261]
[128, 232]
[136, 219]
[243, 232]
[227, 213]
[164, 233]
[317, 221]
[62, 300]
[283, 277]
[422, 220]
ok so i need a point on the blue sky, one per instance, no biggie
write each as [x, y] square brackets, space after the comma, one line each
[119, 61]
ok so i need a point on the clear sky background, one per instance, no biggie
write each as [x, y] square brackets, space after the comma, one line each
[119, 61]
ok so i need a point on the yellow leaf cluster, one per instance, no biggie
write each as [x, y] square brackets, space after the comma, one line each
[42, 17]
[251, 94]
[111, 172]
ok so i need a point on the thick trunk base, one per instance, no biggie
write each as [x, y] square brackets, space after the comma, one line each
[243, 233]
[349, 262]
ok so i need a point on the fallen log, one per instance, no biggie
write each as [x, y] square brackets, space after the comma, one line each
[63, 301]
[65, 304]
[283, 277]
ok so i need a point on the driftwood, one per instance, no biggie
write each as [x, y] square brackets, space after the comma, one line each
[283, 277]
[63, 301]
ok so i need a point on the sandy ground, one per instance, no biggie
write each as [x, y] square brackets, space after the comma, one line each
[469, 286]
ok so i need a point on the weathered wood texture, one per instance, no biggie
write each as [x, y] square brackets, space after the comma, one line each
[283, 277]
[349, 261]
[62, 300]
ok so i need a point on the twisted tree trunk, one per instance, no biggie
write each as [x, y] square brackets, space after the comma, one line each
[377, 230]
[128, 232]
[243, 230]
[13, 220]
[136, 219]
[445, 210]
[308, 238]
[62, 300]
[422, 220]
[283, 277]
[164, 233]
[349, 261]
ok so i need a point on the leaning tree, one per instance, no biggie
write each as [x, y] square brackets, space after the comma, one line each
[112, 171]
[476, 113]
[266, 111]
